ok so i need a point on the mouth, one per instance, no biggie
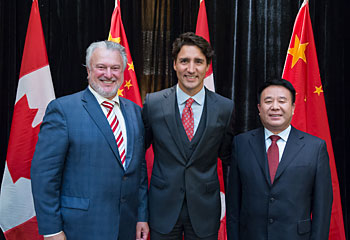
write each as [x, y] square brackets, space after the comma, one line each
[275, 116]
[107, 81]
[191, 77]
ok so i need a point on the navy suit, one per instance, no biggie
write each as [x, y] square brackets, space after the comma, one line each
[182, 172]
[259, 210]
[79, 184]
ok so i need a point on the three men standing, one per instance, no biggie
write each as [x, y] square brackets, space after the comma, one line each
[89, 174]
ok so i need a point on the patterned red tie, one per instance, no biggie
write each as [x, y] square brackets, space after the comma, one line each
[187, 119]
[117, 130]
[273, 156]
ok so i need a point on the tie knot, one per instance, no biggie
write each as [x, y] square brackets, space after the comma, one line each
[189, 102]
[274, 138]
[108, 105]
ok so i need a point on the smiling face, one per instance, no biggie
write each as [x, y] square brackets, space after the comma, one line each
[106, 74]
[276, 108]
[191, 67]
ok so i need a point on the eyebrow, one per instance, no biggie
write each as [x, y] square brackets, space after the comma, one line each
[280, 97]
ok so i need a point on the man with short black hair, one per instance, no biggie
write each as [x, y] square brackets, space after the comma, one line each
[280, 182]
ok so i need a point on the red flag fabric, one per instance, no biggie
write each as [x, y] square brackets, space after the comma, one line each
[301, 69]
[203, 31]
[130, 88]
[34, 92]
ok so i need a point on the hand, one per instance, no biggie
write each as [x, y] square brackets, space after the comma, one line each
[142, 231]
[60, 236]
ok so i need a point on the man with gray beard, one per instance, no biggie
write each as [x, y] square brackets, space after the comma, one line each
[89, 176]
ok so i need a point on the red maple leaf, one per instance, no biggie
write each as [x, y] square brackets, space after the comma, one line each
[23, 138]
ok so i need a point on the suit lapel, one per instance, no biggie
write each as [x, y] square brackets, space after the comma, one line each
[293, 146]
[168, 106]
[212, 116]
[93, 108]
[257, 143]
[128, 119]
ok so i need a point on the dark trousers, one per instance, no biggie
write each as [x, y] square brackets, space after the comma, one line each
[182, 229]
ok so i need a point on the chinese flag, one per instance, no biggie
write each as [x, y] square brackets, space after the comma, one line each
[34, 92]
[301, 69]
[130, 88]
[203, 31]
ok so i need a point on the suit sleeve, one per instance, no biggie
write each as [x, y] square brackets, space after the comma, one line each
[233, 197]
[147, 124]
[322, 196]
[47, 167]
[143, 192]
[226, 144]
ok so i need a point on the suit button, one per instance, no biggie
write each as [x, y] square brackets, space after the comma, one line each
[122, 200]
[271, 220]
[125, 178]
[272, 200]
[182, 190]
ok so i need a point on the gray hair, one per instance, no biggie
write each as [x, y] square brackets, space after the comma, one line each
[109, 45]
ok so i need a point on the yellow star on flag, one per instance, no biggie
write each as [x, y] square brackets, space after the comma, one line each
[298, 51]
[110, 38]
[120, 92]
[318, 90]
[128, 84]
[131, 66]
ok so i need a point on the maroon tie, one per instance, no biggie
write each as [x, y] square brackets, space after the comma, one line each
[187, 118]
[273, 156]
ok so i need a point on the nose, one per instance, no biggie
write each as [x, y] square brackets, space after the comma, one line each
[275, 105]
[191, 67]
[108, 72]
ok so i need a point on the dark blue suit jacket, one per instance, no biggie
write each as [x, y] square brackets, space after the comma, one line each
[257, 209]
[79, 184]
[173, 175]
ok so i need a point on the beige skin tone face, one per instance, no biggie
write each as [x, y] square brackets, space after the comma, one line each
[191, 67]
[276, 108]
[106, 74]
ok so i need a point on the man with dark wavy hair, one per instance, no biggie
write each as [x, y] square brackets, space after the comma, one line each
[189, 128]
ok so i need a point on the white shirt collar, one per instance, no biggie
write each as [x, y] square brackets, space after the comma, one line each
[101, 99]
[283, 135]
[182, 96]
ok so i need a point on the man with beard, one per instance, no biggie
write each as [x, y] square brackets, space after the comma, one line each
[88, 173]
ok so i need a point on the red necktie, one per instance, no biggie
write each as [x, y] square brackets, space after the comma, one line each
[117, 130]
[187, 119]
[273, 156]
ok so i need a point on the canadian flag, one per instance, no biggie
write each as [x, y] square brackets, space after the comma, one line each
[34, 92]
[203, 31]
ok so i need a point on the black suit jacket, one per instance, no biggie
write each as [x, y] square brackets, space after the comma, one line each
[257, 209]
[174, 176]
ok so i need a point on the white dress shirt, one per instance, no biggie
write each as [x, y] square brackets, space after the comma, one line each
[281, 143]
